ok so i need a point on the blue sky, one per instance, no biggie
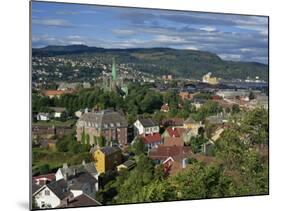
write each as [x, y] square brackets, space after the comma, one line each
[232, 37]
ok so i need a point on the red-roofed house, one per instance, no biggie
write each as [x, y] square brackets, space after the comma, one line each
[161, 153]
[56, 93]
[177, 136]
[152, 140]
[173, 141]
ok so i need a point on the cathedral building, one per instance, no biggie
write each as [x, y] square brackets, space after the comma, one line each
[113, 83]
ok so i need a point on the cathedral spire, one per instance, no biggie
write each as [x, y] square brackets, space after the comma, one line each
[114, 73]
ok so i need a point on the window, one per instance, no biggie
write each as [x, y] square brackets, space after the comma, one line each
[47, 192]
[42, 204]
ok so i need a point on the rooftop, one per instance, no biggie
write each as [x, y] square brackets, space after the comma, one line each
[110, 150]
[163, 152]
[148, 122]
[59, 188]
[189, 120]
[151, 138]
[82, 200]
[105, 119]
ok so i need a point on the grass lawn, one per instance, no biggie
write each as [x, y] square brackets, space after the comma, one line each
[54, 159]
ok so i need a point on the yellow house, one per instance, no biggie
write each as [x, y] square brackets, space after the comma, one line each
[192, 124]
[106, 158]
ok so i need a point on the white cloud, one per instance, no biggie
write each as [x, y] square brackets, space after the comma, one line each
[52, 22]
[170, 39]
[127, 32]
[208, 28]
[191, 48]
[246, 49]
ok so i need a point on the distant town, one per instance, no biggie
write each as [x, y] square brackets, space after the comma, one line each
[106, 133]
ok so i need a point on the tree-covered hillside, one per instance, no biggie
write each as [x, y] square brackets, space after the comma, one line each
[159, 61]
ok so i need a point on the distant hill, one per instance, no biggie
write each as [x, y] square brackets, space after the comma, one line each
[159, 61]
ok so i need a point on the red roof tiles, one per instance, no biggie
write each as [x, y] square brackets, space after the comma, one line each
[151, 138]
[163, 152]
[173, 141]
[56, 92]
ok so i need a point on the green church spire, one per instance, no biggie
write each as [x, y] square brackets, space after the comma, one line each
[114, 73]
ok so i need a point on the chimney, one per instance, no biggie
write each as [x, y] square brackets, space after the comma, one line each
[65, 176]
[65, 166]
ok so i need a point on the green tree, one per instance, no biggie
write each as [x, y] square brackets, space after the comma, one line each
[83, 137]
[197, 142]
[44, 169]
[101, 141]
[235, 109]
[138, 147]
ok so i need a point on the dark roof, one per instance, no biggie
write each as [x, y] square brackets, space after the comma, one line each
[87, 167]
[148, 122]
[59, 188]
[35, 187]
[109, 150]
[172, 122]
[81, 201]
[76, 181]
[90, 167]
[105, 119]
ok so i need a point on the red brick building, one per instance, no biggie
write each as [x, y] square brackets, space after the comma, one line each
[111, 125]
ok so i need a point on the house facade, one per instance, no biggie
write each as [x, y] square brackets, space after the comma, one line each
[45, 197]
[152, 140]
[73, 184]
[177, 136]
[191, 124]
[106, 158]
[111, 125]
[145, 126]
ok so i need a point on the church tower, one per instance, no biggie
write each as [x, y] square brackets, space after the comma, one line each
[114, 73]
[113, 78]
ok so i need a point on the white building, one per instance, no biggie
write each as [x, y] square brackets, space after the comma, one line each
[70, 182]
[43, 117]
[52, 194]
[145, 127]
